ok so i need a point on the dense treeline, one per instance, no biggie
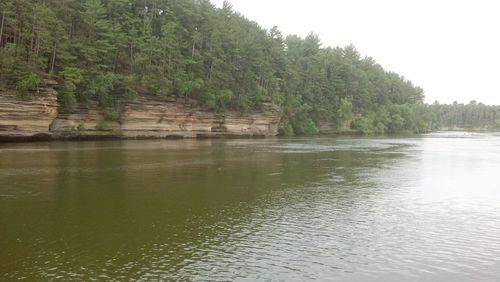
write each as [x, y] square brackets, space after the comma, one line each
[470, 116]
[109, 49]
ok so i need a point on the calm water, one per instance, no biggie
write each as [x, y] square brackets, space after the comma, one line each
[347, 209]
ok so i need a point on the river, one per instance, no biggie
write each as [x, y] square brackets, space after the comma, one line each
[418, 208]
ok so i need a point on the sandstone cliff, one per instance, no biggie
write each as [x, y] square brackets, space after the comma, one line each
[174, 116]
[144, 117]
[29, 116]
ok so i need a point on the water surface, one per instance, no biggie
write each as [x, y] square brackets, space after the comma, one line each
[425, 208]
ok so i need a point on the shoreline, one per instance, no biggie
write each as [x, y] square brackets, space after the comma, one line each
[27, 137]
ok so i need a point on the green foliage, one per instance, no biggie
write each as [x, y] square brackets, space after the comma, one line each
[252, 101]
[113, 115]
[103, 126]
[28, 81]
[80, 127]
[130, 93]
[107, 126]
[344, 113]
[67, 95]
[394, 119]
[72, 75]
[125, 84]
[218, 100]
[8, 64]
[255, 99]
[465, 116]
[305, 127]
[188, 87]
[363, 125]
[99, 85]
[286, 130]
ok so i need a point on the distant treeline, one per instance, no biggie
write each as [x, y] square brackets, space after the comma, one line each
[474, 115]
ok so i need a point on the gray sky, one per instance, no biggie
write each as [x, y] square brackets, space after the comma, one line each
[449, 48]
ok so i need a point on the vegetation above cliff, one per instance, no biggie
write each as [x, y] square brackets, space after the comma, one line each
[103, 49]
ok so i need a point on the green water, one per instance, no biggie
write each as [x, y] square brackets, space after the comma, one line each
[348, 209]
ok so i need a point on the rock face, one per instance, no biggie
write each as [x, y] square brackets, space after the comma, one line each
[144, 117]
[330, 127]
[164, 117]
[27, 117]
[84, 118]
[173, 116]
[327, 127]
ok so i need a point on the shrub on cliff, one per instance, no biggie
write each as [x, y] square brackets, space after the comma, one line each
[72, 77]
[28, 82]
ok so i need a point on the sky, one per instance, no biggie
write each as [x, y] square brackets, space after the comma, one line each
[449, 48]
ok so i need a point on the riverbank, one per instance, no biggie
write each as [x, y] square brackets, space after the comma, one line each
[9, 137]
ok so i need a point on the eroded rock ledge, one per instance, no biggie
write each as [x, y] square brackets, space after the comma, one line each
[39, 118]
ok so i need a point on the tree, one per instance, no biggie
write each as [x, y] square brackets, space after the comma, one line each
[344, 113]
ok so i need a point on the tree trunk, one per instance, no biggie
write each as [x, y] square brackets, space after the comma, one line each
[37, 45]
[150, 53]
[131, 53]
[32, 40]
[53, 61]
[1, 28]
[192, 50]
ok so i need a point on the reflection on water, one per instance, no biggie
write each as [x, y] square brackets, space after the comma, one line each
[351, 209]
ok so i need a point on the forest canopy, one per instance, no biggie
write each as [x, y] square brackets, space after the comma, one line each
[108, 50]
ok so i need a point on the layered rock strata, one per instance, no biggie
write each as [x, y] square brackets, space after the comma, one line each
[22, 117]
[144, 117]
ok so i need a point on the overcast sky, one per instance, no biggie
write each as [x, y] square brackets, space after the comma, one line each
[449, 48]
